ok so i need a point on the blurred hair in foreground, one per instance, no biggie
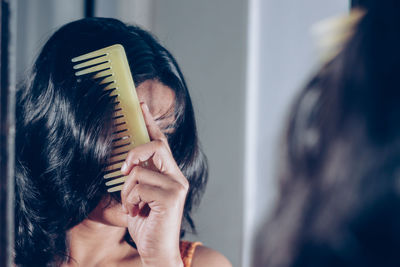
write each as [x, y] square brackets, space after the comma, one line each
[339, 190]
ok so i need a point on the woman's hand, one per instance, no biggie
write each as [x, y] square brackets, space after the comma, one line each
[153, 199]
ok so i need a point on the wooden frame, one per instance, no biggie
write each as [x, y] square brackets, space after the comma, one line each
[7, 129]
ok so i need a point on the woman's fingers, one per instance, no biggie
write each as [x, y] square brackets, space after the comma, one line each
[160, 186]
[155, 132]
[142, 194]
[156, 151]
[140, 175]
[144, 186]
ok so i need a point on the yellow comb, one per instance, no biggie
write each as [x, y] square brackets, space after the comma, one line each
[110, 65]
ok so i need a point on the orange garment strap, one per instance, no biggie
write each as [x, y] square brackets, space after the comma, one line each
[187, 250]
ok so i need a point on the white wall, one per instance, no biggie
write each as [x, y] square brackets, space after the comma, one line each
[139, 12]
[283, 57]
[36, 21]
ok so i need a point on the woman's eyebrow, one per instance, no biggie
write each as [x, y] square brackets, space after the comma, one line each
[170, 127]
[164, 116]
[168, 114]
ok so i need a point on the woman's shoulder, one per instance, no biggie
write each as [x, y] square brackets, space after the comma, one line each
[204, 256]
[200, 256]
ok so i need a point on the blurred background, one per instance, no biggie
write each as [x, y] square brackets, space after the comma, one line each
[243, 60]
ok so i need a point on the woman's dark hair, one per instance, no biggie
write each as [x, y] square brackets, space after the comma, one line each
[64, 135]
[339, 196]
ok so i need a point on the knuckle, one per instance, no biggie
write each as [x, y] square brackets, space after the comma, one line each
[186, 184]
[131, 199]
[130, 156]
[159, 144]
[164, 139]
[136, 172]
[125, 190]
[181, 188]
[138, 188]
[123, 193]
[184, 181]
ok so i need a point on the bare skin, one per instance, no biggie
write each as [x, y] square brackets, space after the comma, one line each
[98, 240]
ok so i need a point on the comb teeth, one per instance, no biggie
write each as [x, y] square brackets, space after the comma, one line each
[108, 79]
[104, 73]
[116, 188]
[91, 55]
[93, 62]
[110, 67]
[116, 181]
[95, 68]
[96, 62]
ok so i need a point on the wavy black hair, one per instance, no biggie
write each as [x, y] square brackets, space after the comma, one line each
[64, 135]
[339, 196]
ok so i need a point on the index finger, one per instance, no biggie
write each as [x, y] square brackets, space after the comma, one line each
[155, 132]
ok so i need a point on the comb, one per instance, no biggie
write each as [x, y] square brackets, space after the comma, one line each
[110, 66]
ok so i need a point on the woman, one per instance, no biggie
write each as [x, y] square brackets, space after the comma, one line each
[339, 197]
[64, 216]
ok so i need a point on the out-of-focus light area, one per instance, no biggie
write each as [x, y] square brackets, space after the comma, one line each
[281, 57]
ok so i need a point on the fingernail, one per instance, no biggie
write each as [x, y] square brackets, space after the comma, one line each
[145, 107]
[124, 167]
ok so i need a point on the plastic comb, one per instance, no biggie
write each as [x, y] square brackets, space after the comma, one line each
[111, 67]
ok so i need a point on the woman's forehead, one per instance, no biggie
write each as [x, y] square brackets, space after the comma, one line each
[160, 99]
